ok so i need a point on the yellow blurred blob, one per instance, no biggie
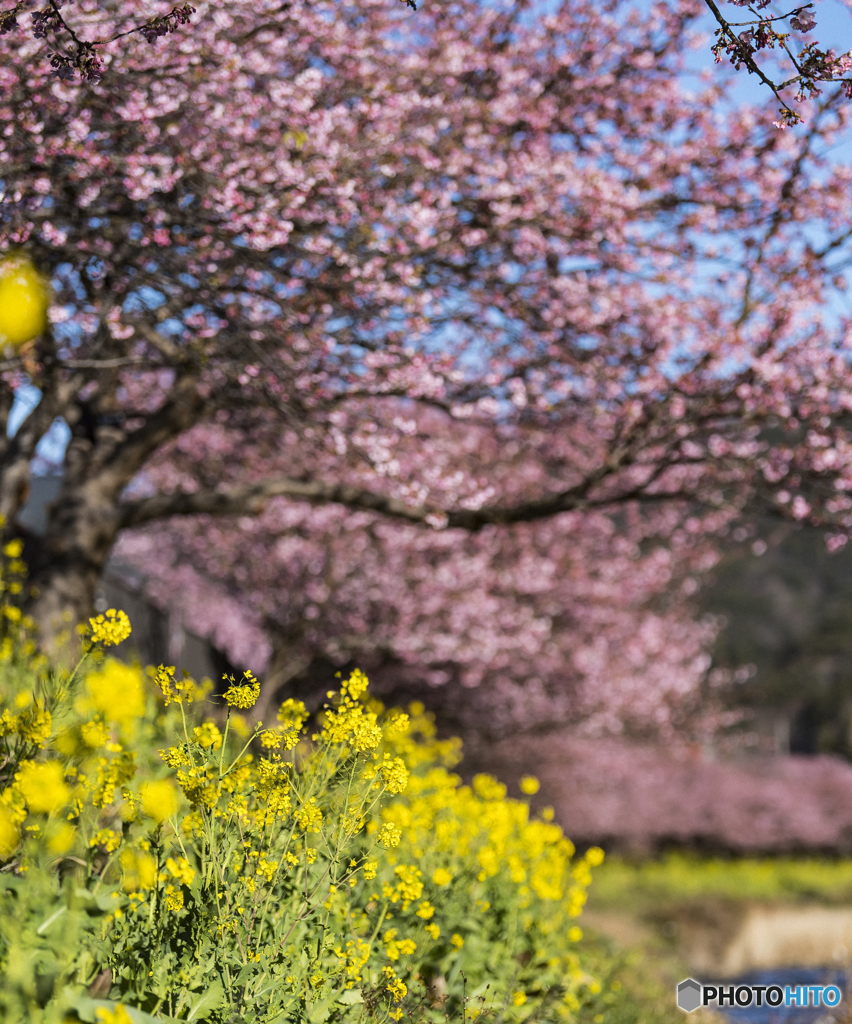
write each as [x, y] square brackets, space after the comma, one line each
[9, 834]
[43, 786]
[159, 800]
[23, 301]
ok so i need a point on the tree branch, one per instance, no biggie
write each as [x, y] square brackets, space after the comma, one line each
[250, 500]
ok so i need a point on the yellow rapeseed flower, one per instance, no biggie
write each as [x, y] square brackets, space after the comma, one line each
[110, 628]
[61, 837]
[529, 785]
[355, 685]
[519, 998]
[242, 695]
[117, 1016]
[595, 856]
[24, 300]
[457, 940]
[35, 725]
[180, 869]
[394, 773]
[208, 735]
[159, 800]
[139, 869]
[309, 816]
[43, 786]
[442, 877]
[116, 691]
[575, 934]
[95, 733]
[292, 715]
[9, 834]
[389, 835]
[174, 898]
[108, 838]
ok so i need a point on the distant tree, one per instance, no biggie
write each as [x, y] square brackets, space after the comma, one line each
[578, 619]
[783, 653]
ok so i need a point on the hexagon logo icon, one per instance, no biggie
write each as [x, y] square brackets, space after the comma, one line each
[689, 995]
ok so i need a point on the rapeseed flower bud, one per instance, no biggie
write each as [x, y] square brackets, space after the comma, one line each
[43, 786]
[8, 723]
[110, 628]
[242, 695]
[271, 739]
[353, 725]
[409, 887]
[529, 785]
[159, 800]
[34, 725]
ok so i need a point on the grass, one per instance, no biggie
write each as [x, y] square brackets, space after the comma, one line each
[677, 878]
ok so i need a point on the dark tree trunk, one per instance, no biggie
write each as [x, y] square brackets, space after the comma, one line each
[86, 517]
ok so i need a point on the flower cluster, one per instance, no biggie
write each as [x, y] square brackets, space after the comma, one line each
[340, 867]
[243, 695]
[110, 628]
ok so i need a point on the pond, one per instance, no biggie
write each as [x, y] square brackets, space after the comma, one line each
[792, 976]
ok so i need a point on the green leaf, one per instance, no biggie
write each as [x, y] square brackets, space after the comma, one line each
[209, 1000]
[318, 1012]
[351, 996]
[42, 928]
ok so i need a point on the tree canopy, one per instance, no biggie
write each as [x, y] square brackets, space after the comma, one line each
[470, 270]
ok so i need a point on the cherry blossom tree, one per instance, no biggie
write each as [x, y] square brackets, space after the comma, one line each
[84, 43]
[578, 619]
[746, 44]
[302, 229]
